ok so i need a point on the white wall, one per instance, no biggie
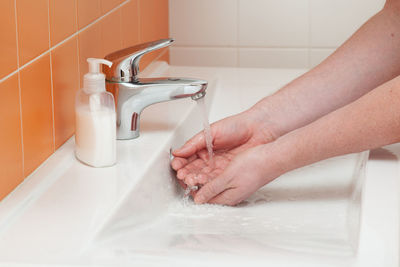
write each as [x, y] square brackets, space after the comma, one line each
[263, 33]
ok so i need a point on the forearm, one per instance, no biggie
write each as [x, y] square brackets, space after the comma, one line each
[370, 122]
[369, 58]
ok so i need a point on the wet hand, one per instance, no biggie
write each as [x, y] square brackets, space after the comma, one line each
[240, 176]
[231, 136]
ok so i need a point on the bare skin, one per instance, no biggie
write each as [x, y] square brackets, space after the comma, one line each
[231, 136]
[349, 103]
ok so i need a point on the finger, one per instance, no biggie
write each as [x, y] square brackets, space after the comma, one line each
[203, 154]
[229, 197]
[194, 192]
[196, 143]
[196, 166]
[214, 174]
[211, 189]
[201, 178]
[207, 170]
[182, 173]
[192, 168]
[182, 184]
[190, 179]
[178, 163]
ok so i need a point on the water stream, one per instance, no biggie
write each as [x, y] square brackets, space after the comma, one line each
[201, 105]
[202, 109]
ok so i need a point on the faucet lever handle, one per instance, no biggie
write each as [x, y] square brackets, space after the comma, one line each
[125, 66]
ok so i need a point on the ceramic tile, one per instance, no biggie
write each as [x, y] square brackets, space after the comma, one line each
[88, 11]
[273, 23]
[203, 56]
[130, 24]
[111, 33]
[65, 84]
[206, 22]
[273, 58]
[8, 51]
[332, 22]
[148, 58]
[153, 21]
[10, 137]
[107, 5]
[62, 19]
[89, 46]
[319, 55]
[33, 29]
[37, 117]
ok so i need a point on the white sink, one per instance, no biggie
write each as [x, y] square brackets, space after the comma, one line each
[339, 212]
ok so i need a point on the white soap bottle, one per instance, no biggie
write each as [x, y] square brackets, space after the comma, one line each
[95, 119]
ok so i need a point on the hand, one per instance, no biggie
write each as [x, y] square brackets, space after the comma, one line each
[231, 136]
[245, 174]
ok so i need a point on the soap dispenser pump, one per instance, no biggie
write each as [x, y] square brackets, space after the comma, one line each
[95, 119]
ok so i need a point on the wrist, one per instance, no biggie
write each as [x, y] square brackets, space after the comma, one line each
[271, 113]
[259, 116]
[268, 165]
[281, 156]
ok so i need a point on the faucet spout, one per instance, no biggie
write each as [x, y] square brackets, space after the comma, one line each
[198, 95]
[175, 88]
[133, 97]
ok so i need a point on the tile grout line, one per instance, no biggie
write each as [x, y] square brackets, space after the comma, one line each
[77, 43]
[51, 78]
[11, 74]
[19, 91]
[65, 40]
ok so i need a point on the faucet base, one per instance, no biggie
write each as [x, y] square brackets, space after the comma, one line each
[127, 135]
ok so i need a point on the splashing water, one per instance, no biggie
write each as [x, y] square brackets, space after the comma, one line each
[186, 194]
[207, 130]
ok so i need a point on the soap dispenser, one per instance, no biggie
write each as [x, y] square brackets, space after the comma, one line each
[95, 119]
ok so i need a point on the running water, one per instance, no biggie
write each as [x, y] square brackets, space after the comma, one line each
[201, 106]
[207, 130]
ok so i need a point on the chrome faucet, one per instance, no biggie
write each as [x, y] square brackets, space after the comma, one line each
[132, 94]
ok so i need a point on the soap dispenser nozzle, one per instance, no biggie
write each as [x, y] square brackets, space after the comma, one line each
[94, 64]
[94, 80]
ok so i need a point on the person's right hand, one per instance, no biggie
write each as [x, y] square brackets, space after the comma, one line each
[231, 136]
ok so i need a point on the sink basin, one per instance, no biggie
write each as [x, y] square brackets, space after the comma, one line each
[339, 212]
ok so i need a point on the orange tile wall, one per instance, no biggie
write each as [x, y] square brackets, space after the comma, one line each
[43, 49]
